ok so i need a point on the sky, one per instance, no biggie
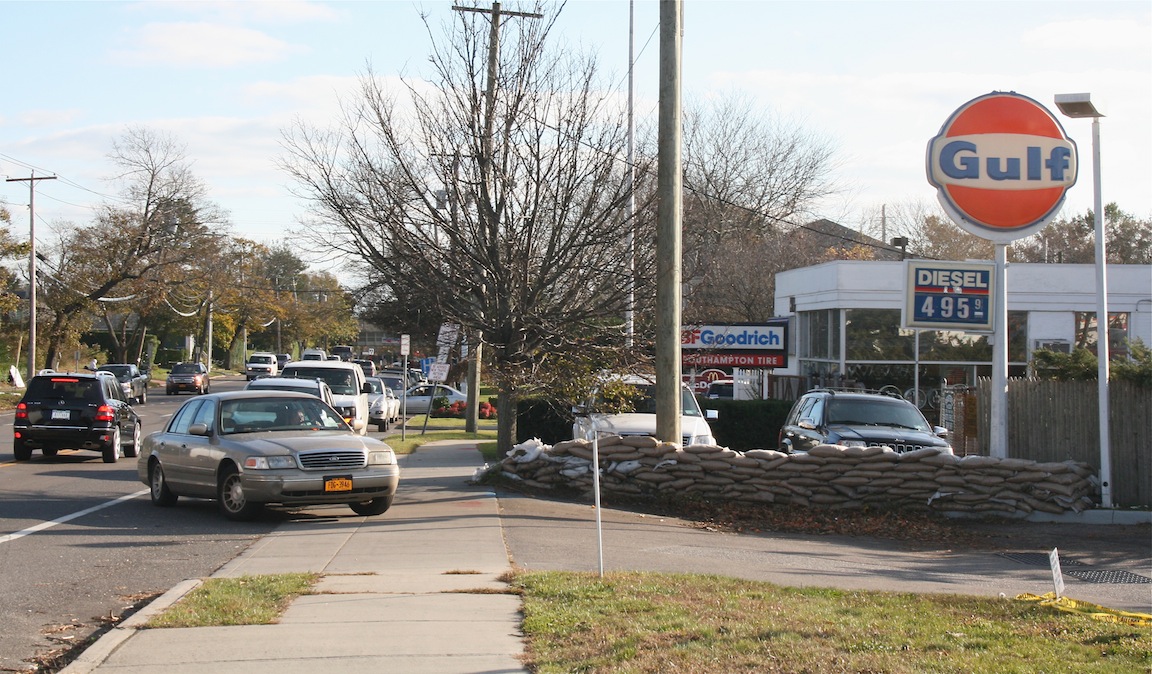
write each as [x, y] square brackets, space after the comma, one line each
[875, 80]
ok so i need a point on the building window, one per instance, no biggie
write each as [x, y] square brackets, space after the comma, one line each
[819, 334]
[1117, 332]
[875, 334]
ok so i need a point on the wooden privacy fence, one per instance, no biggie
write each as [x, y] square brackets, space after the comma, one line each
[1059, 420]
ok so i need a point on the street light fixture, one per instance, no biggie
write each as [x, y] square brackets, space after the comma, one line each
[1079, 106]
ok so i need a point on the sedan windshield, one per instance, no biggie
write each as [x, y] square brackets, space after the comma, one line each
[250, 415]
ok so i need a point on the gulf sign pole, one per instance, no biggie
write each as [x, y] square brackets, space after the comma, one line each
[1001, 165]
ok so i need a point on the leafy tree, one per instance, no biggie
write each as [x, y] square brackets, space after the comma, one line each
[1073, 240]
[930, 232]
[1081, 364]
[526, 247]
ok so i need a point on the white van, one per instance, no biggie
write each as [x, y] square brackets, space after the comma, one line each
[314, 354]
[349, 389]
[694, 426]
[261, 365]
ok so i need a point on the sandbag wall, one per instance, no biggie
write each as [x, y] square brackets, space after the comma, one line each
[829, 476]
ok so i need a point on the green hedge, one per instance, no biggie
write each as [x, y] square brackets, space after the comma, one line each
[747, 424]
[539, 418]
[742, 424]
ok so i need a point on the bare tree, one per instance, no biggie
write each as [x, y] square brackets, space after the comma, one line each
[748, 179]
[525, 247]
[164, 235]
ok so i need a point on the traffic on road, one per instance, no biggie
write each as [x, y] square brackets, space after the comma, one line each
[81, 543]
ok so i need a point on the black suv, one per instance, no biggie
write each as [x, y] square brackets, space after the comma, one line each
[75, 411]
[857, 419]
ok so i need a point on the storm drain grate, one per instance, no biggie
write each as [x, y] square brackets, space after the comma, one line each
[1037, 559]
[1109, 577]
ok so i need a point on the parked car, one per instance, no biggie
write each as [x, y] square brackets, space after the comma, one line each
[261, 365]
[313, 387]
[368, 366]
[247, 449]
[75, 411]
[397, 382]
[133, 381]
[858, 419]
[419, 398]
[349, 390]
[314, 354]
[383, 405]
[188, 377]
[639, 417]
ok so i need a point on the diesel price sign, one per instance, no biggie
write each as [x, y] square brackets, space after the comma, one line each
[949, 295]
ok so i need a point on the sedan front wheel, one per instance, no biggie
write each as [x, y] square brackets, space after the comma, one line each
[234, 503]
[377, 506]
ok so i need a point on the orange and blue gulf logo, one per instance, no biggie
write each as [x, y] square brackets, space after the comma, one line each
[1001, 165]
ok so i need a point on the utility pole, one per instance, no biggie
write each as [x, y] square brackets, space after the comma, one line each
[486, 164]
[31, 266]
[668, 223]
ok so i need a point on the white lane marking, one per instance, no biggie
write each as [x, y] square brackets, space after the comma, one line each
[61, 520]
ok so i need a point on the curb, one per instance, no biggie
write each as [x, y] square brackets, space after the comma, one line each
[95, 655]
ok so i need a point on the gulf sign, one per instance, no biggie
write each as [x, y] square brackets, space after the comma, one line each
[1001, 166]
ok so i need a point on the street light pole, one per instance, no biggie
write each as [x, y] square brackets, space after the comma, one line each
[1080, 106]
[31, 266]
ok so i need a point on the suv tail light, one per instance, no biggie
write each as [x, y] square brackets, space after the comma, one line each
[22, 411]
[104, 413]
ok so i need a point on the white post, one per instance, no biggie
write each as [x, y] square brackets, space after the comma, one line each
[998, 429]
[1102, 345]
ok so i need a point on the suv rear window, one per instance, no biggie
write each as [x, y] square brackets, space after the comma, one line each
[340, 380]
[64, 388]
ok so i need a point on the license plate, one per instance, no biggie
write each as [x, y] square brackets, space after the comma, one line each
[62, 414]
[342, 483]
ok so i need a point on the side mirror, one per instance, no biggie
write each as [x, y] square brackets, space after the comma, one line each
[198, 429]
[940, 432]
[807, 424]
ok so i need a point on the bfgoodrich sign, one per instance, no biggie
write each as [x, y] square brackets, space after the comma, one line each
[735, 345]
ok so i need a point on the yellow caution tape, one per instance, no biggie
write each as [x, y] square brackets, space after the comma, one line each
[1089, 609]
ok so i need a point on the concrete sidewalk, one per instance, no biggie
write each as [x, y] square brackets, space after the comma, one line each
[396, 593]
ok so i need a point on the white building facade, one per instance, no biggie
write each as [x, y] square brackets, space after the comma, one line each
[846, 325]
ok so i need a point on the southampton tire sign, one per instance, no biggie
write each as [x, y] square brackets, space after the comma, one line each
[1001, 165]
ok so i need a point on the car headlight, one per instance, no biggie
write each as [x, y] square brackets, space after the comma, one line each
[381, 457]
[701, 440]
[269, 462]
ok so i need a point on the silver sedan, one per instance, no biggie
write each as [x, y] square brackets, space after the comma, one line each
[250, 448]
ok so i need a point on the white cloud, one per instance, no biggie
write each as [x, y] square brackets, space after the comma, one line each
[230, 11]
[202, 45]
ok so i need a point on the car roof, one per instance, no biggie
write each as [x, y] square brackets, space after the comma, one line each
[859, 395]
[299, 382]
[254, 393]
[334, 364]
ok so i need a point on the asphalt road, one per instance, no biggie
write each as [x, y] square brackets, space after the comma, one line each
[80, 541]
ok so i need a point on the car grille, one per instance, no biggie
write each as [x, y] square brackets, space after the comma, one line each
[333, 459]
[902, 447]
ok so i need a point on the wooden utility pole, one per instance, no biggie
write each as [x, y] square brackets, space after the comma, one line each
[31, 266]
[486, 164]
[668, 223]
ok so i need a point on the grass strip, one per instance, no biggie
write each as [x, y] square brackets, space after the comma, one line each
[247, 600]
[648, 622]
